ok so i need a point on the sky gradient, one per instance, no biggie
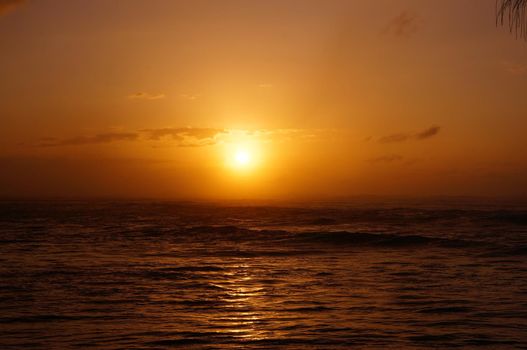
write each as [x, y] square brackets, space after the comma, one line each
[332, 98]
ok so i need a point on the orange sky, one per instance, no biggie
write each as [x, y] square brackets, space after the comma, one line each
[333, 98]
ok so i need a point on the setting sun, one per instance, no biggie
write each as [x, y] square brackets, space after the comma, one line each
[243, 151]
[242, 158]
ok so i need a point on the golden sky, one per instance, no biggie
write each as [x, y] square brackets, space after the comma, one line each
[210, 99]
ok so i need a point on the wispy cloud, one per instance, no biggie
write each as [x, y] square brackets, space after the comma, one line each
[146, 96]
[183, 137]
[402, 137]
[186, 137]
[89, 140]
[284, 135]
[391, 158]
[428, 133]
[394, 138]
[403, 25]
[9, 5]
[190, 97]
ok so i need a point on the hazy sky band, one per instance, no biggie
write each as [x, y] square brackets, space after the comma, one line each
[404, 97]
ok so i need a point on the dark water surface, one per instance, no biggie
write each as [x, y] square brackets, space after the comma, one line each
[156, 275]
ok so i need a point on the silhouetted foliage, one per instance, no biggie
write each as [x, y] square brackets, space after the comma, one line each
[514, 13]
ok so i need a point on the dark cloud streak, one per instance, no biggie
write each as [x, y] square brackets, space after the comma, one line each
[146, 96]
[184, 137]
[403, 25]
[394, 138]
[89, 140]
[420, 136]
[391, 158]
[182, 133]
[428, 133]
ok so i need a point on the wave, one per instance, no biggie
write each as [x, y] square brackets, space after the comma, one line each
[320, 238]
[507, 252]
[53, 318]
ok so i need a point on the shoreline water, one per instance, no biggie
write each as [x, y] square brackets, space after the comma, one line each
[156, 275]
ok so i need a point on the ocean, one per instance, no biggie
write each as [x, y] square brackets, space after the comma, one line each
[372, 274]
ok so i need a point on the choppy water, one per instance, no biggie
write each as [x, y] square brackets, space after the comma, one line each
[155, 275]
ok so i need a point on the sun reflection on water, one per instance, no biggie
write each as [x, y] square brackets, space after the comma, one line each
[243, 297]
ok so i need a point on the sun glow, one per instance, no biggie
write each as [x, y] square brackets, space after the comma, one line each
[242, 158]
[243, 153]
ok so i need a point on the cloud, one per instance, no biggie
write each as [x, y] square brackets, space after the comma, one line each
[9, 5]
[428, 133]
[284, 135]
[178, 133]
[186, 137]
[190, 97]
[422, 135]
[196, 137]
[88, 140]
[391, 158]
[146, 96]
[394, 138]
[403, 25]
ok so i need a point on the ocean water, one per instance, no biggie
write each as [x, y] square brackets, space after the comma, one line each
[356, 275]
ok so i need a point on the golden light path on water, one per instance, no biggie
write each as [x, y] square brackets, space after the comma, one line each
[242, 296]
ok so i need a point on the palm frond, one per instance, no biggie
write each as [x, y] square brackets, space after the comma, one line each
[513, 12]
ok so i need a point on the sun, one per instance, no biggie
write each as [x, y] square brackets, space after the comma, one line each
[242, 158]
[243, 154]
